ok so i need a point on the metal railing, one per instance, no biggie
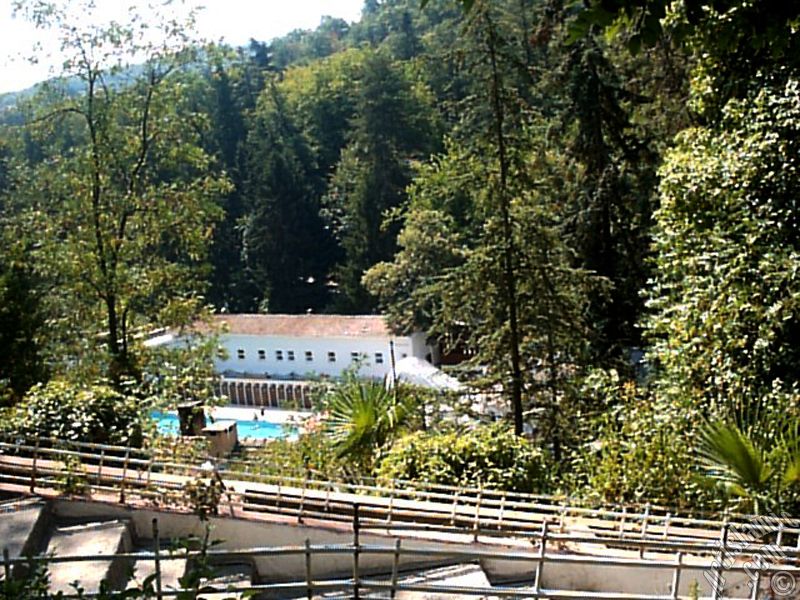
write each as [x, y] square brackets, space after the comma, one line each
[364, 584]
[126, 473]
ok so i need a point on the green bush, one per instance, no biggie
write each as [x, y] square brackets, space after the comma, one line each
[311, 455]
[63, 410]
[638, 447]
[488, 456]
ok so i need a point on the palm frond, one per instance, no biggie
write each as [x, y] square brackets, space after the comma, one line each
[362, 416]
[791, 443]
[731, 458]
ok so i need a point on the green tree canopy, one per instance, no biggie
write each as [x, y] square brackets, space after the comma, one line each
[122, 199]
[392, 125]
[287, 250]
[62, 410]
[726, 295]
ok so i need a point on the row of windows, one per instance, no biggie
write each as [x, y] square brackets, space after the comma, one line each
[309, 355]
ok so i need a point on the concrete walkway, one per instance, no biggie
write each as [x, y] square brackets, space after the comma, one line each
[96, 538]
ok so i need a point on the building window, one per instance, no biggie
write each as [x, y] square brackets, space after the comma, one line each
[331, 356]
[403, 355]
[309, 356]
[290, 355]
[262, 355]
[354, 356]
[379, 358]
[240, 354]
[278, 354]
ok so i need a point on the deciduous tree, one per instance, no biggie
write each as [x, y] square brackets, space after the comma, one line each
[123, 198]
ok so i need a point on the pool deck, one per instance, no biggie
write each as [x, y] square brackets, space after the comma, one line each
[269, 415]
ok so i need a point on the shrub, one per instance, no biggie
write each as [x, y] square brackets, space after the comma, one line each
[311, 455]
[74, 480]
[203, 496]
[95, 413]
[490, 456]
[639, 447]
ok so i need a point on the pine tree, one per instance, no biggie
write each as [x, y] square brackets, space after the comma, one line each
[388, 131]
[286, 248]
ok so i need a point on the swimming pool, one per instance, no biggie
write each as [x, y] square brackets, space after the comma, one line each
[168, 424]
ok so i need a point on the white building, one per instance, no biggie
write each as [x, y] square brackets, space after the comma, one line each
[272, 360]
[306, 346]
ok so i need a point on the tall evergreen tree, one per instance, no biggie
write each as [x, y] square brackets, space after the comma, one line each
[612, 211]
[22, 319]
[389, 130]
[508, 288]
[22, 325]
[236, 78]
[286, 248]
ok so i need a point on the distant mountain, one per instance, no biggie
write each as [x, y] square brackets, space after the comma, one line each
[10, 99]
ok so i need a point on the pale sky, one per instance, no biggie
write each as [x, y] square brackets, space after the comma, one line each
[235, 21]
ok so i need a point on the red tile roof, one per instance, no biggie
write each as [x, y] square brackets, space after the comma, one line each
[306, 325]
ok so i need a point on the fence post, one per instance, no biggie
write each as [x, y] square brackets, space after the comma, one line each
[477, 522]
[35, 459]
[455, 504]
[537, 582]
[302, 500]
[622, 522]
[124, 476]
[756, 581]
[391, 504]
[309, 587]
[676, 577]
[6, 565]
[666, 525]
[99, 478]
[645, 519]
[502, 509]
[356, 577]
[157, 559]
[395, 568]
[716, 593]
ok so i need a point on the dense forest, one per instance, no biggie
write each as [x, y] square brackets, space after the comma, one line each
[597, 201]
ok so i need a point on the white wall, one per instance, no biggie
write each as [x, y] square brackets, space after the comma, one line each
[420, 348]
[342, 347]
[274, 530]
[238, 533]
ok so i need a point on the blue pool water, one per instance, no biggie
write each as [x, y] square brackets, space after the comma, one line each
[168, 424]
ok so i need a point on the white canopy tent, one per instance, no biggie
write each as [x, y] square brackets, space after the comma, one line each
[417, 371]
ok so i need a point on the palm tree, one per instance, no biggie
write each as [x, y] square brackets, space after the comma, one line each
[757, 471]
[363, 417]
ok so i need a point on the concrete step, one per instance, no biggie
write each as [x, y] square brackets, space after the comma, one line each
[626, 577]
[106, 538]
[172, 569]
[464, 575]
[23, 528]
[231, 576]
